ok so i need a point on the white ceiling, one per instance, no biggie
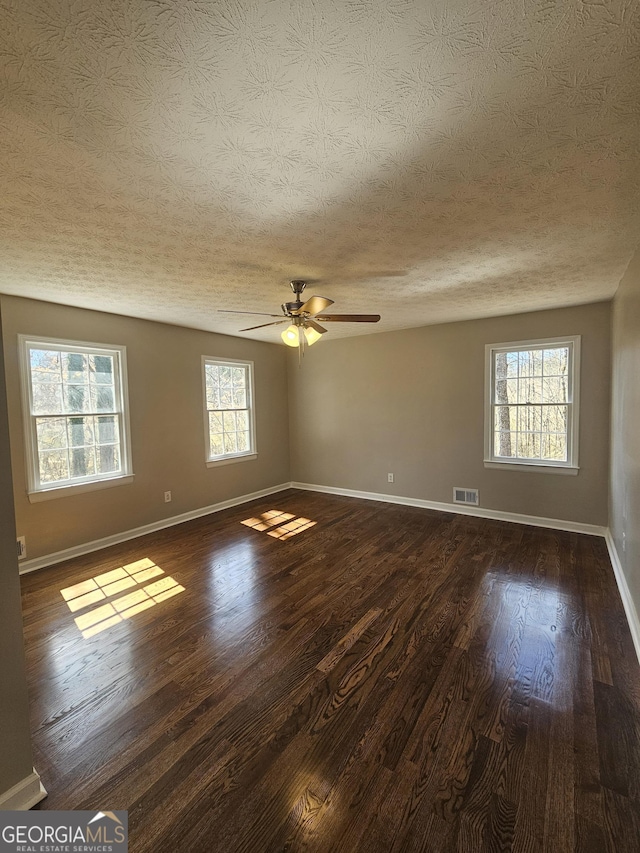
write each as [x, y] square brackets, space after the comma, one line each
[165, 159]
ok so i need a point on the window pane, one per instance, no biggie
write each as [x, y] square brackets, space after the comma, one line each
[226, 398]
[243, 441]
[80, 431]
[556, 361]
[230, 443]
[47, 398]
[108, 459]
[107, 430]
[76, 398]
[529, 418]
[229, 421]
[211, 372]
[528, 445]
[554, 419]
[213, 397]
[242, 419]
[511, 389]
[511, 363]
[54, 466]
[530, 390]
[52, 433]
[506, 389]
[505, 443]
[45, 365]
[102, 398]
[554, 447]
[225, 377]
[74, 368]
[215, 422]
[82, 461]
[506, 418]
[239, 398]
[239, 377]
[555, 389]
[101, 369]
[216, 444]
[525, 363]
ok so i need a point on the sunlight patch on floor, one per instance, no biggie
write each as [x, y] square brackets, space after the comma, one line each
[279, 525]
[126, 579]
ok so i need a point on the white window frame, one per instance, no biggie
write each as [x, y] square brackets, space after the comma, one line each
[245, 455]
[570, 466]
[38, 491]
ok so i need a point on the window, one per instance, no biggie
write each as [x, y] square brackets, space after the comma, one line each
[229, 421]
[76, 424]
[532, 404]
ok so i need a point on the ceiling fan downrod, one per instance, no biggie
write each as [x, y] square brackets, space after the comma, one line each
[297, 286]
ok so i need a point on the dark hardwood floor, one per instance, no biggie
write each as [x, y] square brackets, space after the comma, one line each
[388, 679]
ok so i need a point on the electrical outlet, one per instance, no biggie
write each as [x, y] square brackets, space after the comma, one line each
[167, 497]
[22, 547]
[389, 478]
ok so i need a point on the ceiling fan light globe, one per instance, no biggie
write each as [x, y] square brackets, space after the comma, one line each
[290, 336]
[312, 336]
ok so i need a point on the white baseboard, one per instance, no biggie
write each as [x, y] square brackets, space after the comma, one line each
[625, 593]
[36, 563]
[497, 515]
[461, 509]
[26, 566]
[24, 795]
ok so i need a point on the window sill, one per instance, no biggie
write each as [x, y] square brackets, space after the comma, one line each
[79, 488]
[534, 467]
[227, 460]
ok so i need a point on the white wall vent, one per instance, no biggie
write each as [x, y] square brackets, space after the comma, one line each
[465, 496]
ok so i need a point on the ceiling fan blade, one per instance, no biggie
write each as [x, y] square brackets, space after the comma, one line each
[315, 305]
[348, 318]
[262, 325]
[258, 313]
[312, 323]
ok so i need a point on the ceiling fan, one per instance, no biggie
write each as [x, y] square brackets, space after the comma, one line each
[303, 318]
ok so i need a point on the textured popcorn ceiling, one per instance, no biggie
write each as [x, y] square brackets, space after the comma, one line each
[164, 159]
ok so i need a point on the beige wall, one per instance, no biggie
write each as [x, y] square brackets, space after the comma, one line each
[412, 403]
[167, 427]
[625, 427]
[15, 746]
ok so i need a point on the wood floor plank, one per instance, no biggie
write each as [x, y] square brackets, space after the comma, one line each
[329, 661]
[390, 679]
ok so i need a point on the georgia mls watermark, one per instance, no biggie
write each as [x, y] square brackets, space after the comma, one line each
[63, 832]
